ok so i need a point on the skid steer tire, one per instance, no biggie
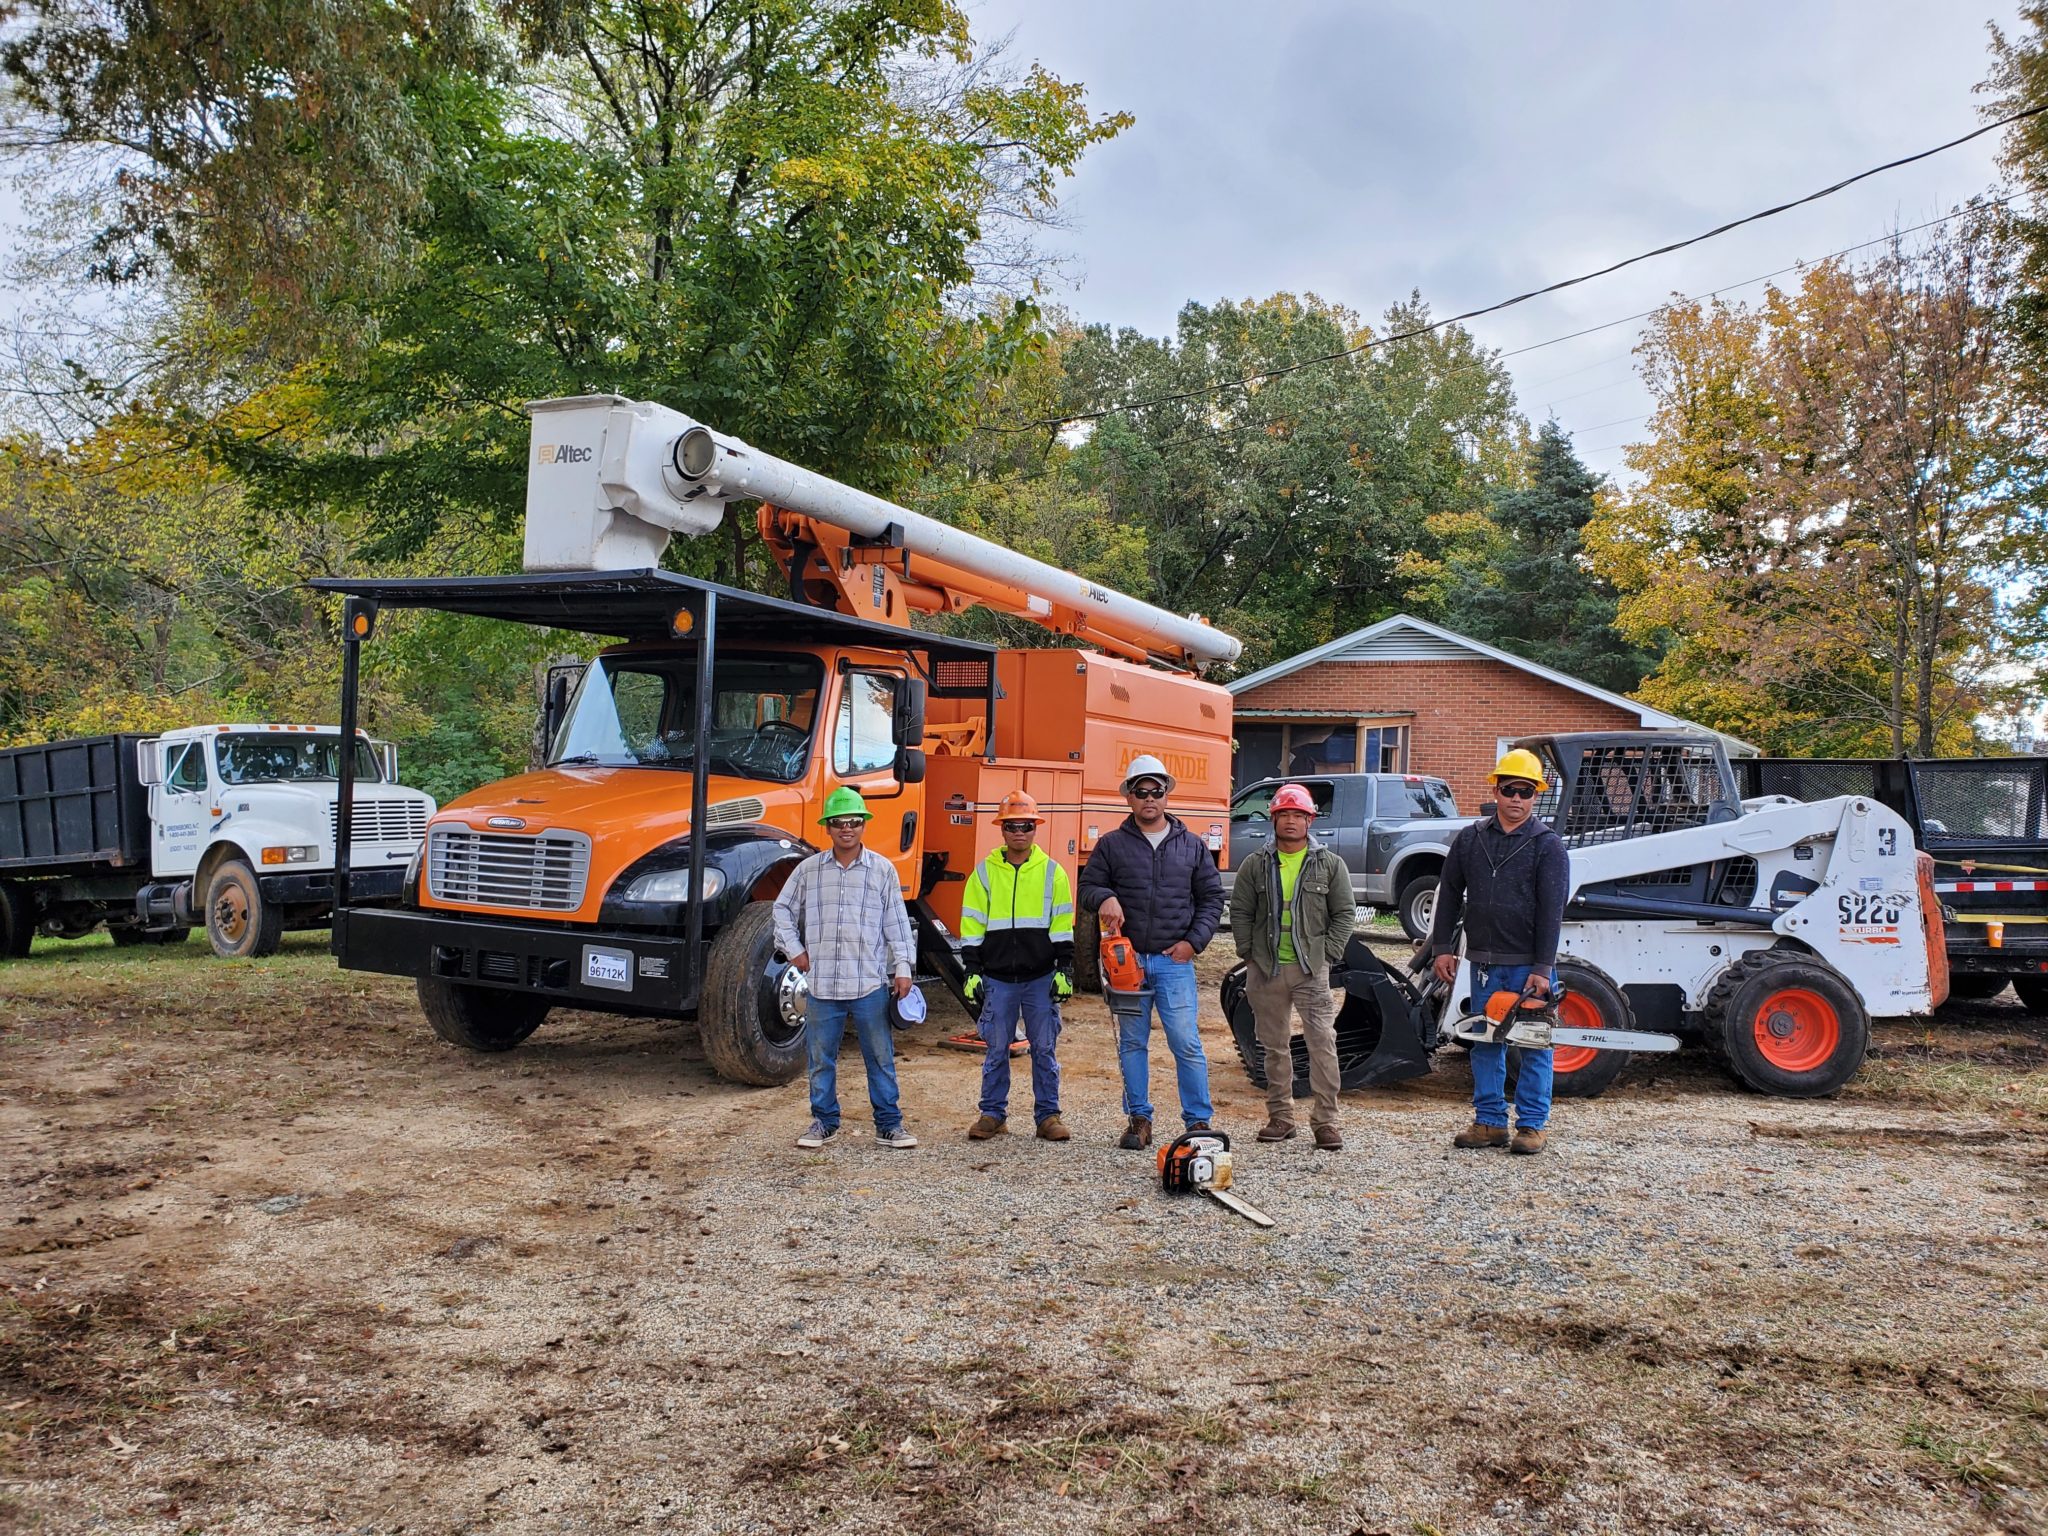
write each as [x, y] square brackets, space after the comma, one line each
[1087, 954]
[1788, 1024]
[1417, 906]
[1592, 1001]
[479, 1018]
[1966, 987]
[17, 921]
[241, 923]
[2033, 993]
[745, 1020]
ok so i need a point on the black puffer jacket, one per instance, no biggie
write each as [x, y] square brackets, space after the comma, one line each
[1168, 893]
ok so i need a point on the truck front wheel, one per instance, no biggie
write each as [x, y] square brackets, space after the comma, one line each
[1417, 904]
[17, 921]
[2033, 991]
[479, 1018]
[240, 924]
[751, 1017]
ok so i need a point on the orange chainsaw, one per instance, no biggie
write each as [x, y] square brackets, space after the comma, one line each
[1200, 1161]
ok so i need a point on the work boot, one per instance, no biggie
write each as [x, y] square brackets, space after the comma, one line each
[1480, 1134]
[1053, 1128]
[1137, 1135]
[985, 1127]
[1276, 1130]
[1200, 1128]
[1528, 1142]
[1329, 1138]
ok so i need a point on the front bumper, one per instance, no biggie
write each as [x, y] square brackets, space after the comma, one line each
[590, 968]
[369, 886]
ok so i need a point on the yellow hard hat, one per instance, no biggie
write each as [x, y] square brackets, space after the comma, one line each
[1520, 763]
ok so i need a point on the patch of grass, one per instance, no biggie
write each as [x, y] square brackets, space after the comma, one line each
[1976, 1461]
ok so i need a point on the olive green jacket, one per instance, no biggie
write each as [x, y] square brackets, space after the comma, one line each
[1325, 913]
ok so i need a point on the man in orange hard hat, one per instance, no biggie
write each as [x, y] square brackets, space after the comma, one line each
[1507, 876]
[1292, 914]
[1017, 943]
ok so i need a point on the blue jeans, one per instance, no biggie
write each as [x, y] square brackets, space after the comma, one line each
[1490, 1062]
[825, 1029]
[1001, 1003]
[1173, 994]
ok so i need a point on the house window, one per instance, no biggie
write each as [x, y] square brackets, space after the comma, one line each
[1294, 749]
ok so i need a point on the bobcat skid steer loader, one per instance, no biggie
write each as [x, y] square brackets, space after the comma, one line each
[1773, 936]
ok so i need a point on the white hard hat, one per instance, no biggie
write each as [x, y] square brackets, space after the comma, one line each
[908, 1009]
[1146, 766]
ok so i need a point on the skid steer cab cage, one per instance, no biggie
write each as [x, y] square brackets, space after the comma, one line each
[614, 605]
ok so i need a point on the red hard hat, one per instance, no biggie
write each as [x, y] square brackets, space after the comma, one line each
[1292, 797]
[1018, 806]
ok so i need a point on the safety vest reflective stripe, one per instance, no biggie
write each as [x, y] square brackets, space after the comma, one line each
[1004, 896]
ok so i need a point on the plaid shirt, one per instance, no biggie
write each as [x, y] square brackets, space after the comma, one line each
[850, 920]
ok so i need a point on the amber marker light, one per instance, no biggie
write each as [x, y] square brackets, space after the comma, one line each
[682, 623]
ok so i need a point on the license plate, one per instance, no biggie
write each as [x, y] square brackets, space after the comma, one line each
[612, 968]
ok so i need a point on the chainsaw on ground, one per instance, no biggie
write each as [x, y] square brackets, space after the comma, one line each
[1530, 1019]
[1200, 1161]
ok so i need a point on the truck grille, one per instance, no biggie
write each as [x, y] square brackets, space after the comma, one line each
[380, 821]
[501, 869]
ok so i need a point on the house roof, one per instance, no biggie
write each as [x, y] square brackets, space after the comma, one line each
[1407, 638]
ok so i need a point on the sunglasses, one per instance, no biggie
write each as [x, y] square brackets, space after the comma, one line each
[1020, 826]
[1516, 791]
[847, 823]
[1154, 793]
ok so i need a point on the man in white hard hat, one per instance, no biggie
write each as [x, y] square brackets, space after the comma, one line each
[1153, 881]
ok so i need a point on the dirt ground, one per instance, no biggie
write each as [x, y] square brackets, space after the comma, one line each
[276, 1260]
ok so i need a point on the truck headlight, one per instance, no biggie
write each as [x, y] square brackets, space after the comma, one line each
[674, 885]
[294, 854]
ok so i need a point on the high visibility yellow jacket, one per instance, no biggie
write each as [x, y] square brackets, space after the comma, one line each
[1017, 920]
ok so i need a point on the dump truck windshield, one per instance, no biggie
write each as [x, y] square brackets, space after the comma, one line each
[641, 712]
[268, 757]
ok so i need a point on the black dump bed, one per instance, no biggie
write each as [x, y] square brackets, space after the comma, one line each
[73, 806]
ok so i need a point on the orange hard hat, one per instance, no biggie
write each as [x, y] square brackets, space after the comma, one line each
[1018, 806]
[1292, 797]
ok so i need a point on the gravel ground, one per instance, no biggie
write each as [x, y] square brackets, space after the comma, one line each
[277, 1261]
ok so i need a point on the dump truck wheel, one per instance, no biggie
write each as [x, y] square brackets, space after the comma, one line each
[240, 924]
[2033, 992]
[17, 921]
[479, 1018]
[1087, 953]
[1967, 987]
[1788, 1024]
[1592, 1001]
[1417, 906]
[751, 1018]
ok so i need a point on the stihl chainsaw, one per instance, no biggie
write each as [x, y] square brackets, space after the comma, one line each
[1200, 1161]
[1530, 1019]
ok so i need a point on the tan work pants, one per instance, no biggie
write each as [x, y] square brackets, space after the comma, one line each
[1307, 994]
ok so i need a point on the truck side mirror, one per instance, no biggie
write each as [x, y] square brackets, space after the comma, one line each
[910, 711]
[555, 709]
[387, 760]
[149, 761]
[910, 765]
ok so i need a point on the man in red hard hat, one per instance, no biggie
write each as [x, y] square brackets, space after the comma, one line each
[1292, 914]
[1017, 942]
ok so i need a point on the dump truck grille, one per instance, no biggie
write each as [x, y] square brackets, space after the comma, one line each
[380, 821]
[544, 873]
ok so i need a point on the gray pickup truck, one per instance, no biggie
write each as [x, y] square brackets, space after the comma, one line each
[1391, 829]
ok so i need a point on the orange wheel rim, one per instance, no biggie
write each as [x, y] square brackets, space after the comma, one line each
[1796, 1030]
[1575, 1013]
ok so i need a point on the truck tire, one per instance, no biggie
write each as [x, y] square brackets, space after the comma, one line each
[1787, 1024]
[1967, 987]
[2033, 993]
[240, 924]
[1592, 1001]
[1417, 906]
[1087, 953]
[479, 1018]
[131, 938]
[17, 921]
[749, 998]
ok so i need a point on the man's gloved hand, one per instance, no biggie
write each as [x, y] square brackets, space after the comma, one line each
[971, 989]
[1062, 983]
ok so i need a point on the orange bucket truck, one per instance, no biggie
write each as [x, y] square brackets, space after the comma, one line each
[633, 872]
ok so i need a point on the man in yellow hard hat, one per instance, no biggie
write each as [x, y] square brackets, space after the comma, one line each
[841, 920]
[1506, 876]
[1017, 942]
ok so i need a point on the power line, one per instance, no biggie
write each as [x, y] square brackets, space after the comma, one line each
[1533, 293]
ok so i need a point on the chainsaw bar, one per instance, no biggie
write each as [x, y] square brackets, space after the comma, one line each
[1250, 1213]
[1537, 1036]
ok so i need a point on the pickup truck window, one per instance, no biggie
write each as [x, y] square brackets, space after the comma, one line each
[1254, 803]
[1411, 799]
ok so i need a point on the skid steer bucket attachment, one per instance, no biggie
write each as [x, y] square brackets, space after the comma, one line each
[1385, 1030]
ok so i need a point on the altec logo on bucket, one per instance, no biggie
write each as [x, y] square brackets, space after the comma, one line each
[564, 453]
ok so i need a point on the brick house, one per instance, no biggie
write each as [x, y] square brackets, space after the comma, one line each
[1408, 696]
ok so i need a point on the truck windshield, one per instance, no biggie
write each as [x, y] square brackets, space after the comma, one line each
[266, 757]
[641, 712]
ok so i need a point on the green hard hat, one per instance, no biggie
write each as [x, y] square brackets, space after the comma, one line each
[845, 802]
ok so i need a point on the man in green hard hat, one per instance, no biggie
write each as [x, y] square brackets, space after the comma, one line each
[842, 922]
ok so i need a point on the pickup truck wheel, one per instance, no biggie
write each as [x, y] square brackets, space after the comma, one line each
[1788, 1024]
[240, 924]
[1966, 987]
[1417, 906]
[17, 921]
[1592, 1001]
[479, 1018]
[2033, 992]
[751, 1020]
[1087, 953]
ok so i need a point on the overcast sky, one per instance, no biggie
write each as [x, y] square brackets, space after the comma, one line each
[1475, 150]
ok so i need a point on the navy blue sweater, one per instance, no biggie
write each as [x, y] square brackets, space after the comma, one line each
[1509, 887]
